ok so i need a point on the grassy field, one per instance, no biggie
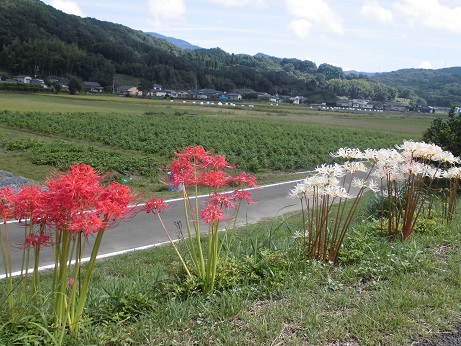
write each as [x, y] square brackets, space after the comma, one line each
[142, 134]
[407, 124]
[380, 293]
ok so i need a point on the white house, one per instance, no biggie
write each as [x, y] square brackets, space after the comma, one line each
[234, 96]
[22, 79]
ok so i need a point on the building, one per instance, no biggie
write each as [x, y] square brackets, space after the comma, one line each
[128, 90]
[92, 87]
[22, 79]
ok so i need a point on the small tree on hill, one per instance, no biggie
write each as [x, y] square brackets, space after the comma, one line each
[446, 134]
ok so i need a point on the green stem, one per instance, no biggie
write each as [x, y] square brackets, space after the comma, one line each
[7, 265]
[89, 272]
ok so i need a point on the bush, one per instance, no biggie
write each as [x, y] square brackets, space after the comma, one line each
[446, 134]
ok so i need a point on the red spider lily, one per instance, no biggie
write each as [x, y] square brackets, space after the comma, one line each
[28, 204]
[212, 214]
[214, 178]
[6, 202]
[76, 190]
[216, 161]
[240, 195]
[156, 205]
[37, 241]
[87, 223]
[245, 179]
[221, 200]
[114, 201]
[192, 152]
[77, 202]
[183, 172]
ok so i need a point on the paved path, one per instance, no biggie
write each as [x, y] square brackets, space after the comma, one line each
[143, 230]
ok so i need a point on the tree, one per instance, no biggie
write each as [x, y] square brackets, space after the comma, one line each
[446, 134]
[75, 86]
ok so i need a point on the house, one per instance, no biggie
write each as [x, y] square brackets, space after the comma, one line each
[40, 82]
[234, 97]
[295, 100]
[209, 94]
[359, 103]
[157, 87]
[274, 99]
[346, 103]
[395, 106]
[128, 90]
[22, 79]
[183, 94]
[378, 105]
[92, 87]
[160, 94]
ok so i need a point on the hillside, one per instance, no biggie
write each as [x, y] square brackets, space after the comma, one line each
[38, 39]
[176, 41]
[440, 87]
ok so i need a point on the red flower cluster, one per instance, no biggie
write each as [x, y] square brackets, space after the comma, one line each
[194, 166]
[75, 202]
[38, 241]
[6, 202]
[156, 205]
[212, 214]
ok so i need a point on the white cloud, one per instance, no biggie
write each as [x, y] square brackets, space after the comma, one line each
[240, 3]
[300, 27]
[374, 10]
[313, 13]
[431, 13]
[161, 12]
[68, 6]
[425, 64]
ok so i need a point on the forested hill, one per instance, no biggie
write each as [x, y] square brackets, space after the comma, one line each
[35, 35]
[440, 87]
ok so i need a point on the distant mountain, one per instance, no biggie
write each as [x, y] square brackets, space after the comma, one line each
[36, 38]
[369, 74]
[262, 55]
[176, 41]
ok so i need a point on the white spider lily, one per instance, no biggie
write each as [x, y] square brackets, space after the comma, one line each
[336, 191]
[373, 186]
[298, 191]
[348, 153]
[330, 170]
[358, 182]
[452, 173]
[354, 166]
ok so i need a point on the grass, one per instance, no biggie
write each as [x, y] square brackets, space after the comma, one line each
[395, 125]
[382, 293]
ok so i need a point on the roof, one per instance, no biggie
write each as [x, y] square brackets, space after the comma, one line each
[126, 87]
[92, 84]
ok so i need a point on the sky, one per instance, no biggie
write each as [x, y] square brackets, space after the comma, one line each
[360, 35]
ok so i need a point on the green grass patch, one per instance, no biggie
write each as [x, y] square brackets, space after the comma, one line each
[381, 293]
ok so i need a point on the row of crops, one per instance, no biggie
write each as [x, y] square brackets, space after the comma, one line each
[252, 145]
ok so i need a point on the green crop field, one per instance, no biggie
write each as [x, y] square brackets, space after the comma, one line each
[134, 138]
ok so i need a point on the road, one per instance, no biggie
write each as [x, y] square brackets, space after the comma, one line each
[143, 231]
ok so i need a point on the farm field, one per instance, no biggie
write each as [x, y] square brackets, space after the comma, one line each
[133, 139]
[268, 290]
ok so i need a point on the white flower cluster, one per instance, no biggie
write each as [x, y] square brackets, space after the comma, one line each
[391, 165]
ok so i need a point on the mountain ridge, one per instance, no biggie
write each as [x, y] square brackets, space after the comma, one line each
[37, 37]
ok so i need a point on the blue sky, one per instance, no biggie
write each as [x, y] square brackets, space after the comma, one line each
[362, 35]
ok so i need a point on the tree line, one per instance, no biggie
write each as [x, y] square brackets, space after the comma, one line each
[34, 35]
